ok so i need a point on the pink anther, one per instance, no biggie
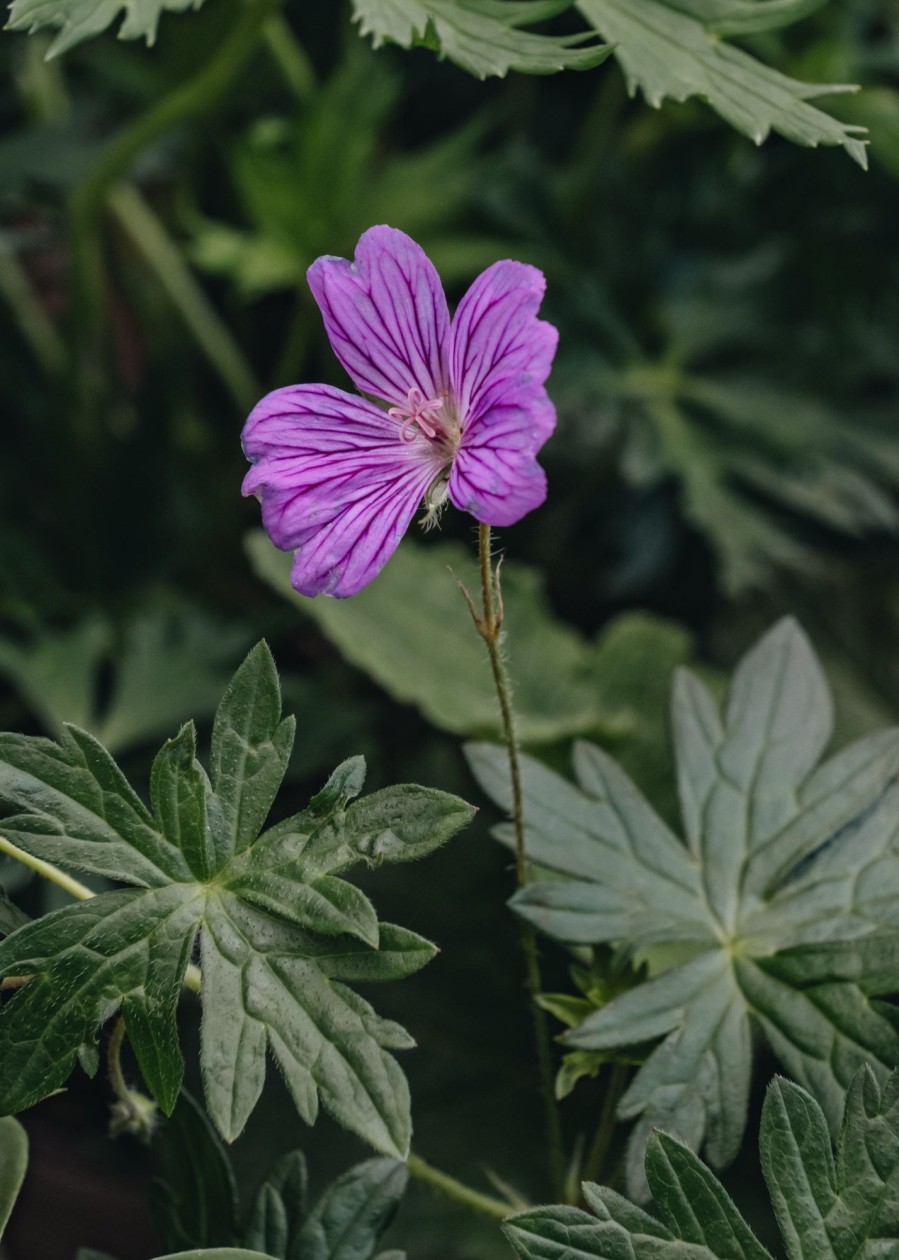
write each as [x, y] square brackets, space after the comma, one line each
[419, 413]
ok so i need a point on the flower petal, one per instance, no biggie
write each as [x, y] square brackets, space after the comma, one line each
[386, 315]
[336, 483]
[500, 356]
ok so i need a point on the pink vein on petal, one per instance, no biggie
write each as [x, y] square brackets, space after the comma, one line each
[500, 357]
[386, 315]
[336, 484]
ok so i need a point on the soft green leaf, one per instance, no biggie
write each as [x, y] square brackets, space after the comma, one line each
[166, 661]
[415, 615]
[195, 1196]
[82, 19]
[843, 1209]
[179, 792]
[349, 1219]
[13, 1165]
[777, 915]
[55, 671]
[11, 917]
[217, 1253]
[280, 932]
[482, 36]
[669, 52]
[251, 747]
[279, 1208]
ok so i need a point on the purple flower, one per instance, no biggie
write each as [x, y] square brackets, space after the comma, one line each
[339, 477]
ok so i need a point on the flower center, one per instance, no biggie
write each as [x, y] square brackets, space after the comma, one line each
[420, 415]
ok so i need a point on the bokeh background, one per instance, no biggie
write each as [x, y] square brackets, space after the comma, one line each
[727, 451]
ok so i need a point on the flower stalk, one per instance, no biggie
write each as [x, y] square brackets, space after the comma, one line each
[132, 1111]
[457, 1190]
[489, 623]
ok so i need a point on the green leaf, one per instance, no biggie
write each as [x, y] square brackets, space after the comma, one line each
[217, 1253]
[279, 1208]
[295, 204]
[777, 915]
[671, 48]
[179, 792]
[11, 917]
[415, 615]
[746, 17]
[482, 36]
[843, 1209]
[13, 1165]
[251, 747]
[280, 932]
[129, 687]
[349, 1219]
[82, 19]
[195, 1198]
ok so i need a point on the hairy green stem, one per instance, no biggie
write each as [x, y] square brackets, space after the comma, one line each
[160, 251]
[47, 870]
[489, 626]
[453, 1189]
[81, 892]
[114, 1060]
[132, 1111]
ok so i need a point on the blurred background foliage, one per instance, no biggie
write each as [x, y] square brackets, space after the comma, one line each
[727, 450]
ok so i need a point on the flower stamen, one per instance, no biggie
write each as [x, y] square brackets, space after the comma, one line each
[419, 414]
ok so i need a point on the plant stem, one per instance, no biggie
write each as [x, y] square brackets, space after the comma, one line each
[489, 626]
[602, 1141]
[114, 1060]
[483, 1203]
[72, 886]
[132, 1111]
[160, 251]
[81, 892]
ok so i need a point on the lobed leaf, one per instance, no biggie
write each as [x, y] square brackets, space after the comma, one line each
[13, 1164]
[82, 19]
[843, 1209]
[673, 48]
[280, 932]
[482, 36]
[777, 915]
[414, 614]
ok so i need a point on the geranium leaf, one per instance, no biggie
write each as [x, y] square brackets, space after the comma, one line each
[195, 1196]
[776, 915]
[13, 1163]
[217, 1253]
[281, 932]
[482, 36]
[827, 1209]
[564, 684]
[349, 1219]
[251, 747]
[279, 1208]
[673, 48]
[82, 19]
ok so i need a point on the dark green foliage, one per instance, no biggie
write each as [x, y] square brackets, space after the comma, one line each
[280, 933]
[843, 1209]
[777, 915]
[195, 1196]
[197, 1200]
